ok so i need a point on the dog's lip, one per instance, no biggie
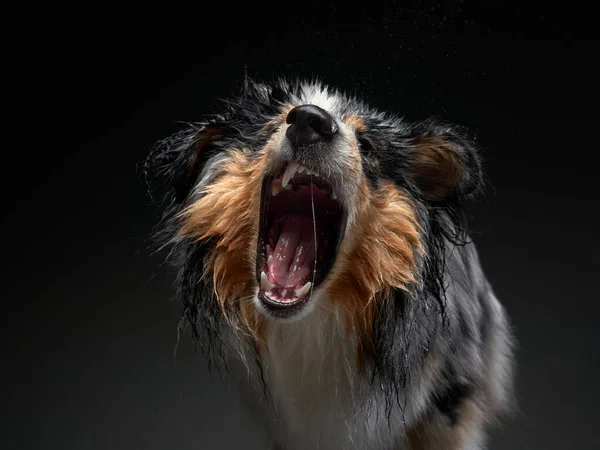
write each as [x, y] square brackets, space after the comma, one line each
[282, 310]
[264, 296]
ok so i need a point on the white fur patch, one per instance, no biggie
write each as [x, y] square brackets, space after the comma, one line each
[317, 94]
[318, 400]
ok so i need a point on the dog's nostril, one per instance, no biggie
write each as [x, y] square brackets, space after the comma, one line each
[309, 123]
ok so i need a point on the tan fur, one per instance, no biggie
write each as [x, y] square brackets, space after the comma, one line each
[378, 253]
[228, 210]
[355, 122]
[437, 167]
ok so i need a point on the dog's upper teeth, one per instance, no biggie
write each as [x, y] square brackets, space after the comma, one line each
[265, 283]
[303, 290]
[289, 173]
[334, 195]
[301, 169]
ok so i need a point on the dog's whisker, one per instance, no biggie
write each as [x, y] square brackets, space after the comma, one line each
[312, 200]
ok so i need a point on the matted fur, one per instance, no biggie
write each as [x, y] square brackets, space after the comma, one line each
[378, 255]
[227, 211]
[407, 345]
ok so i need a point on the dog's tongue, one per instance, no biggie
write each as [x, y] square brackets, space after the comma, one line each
[294, 252]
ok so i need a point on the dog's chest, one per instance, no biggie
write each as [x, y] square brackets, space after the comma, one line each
[318, 398]
[311, 378]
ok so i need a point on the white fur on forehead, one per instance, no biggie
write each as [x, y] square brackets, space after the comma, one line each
[320, 95]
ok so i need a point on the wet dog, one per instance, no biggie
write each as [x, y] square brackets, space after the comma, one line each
[323, 261]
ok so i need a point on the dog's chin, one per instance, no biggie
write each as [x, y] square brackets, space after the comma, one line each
[302, 225]
[291, 312]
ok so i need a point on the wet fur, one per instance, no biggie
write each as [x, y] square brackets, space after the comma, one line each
[407, 346]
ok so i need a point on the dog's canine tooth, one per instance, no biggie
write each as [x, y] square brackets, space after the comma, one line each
[303, 290]
[289, 173]
[265, 283]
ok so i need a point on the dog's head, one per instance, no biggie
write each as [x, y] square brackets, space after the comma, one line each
[303, 198]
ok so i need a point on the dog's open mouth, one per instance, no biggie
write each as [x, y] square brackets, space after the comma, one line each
[301, 228]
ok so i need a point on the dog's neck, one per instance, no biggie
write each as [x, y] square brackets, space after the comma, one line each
[317, 391]
[311, 362]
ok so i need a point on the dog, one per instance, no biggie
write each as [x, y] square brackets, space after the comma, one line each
[323, 261]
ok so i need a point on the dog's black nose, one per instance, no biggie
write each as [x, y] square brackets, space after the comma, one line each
[309, 124]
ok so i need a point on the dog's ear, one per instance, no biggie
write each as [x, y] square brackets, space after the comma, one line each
[444, 161]
[176, 162]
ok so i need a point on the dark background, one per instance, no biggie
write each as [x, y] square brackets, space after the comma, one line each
[90, 329]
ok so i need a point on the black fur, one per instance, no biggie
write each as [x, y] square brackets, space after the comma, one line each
[451, 398]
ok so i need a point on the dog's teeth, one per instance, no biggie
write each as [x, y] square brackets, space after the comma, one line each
[269, 296]
[308, 172]
[288, 187]
[334, 195]
[265, 283]
[301, 169]
[275, 189]
[289, 173]
[303, 290]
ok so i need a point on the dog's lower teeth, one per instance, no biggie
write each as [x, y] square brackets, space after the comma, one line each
[303, 290]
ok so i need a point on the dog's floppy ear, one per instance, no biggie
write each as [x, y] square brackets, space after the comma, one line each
[444, 162]
[176, 162]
